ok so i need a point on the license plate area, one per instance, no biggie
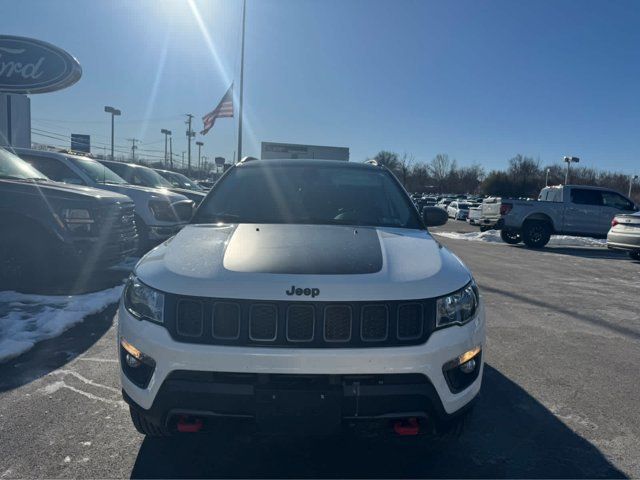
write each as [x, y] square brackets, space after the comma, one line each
[298, 411]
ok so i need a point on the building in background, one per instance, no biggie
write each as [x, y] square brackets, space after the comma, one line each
[271, 150]
[15, 120]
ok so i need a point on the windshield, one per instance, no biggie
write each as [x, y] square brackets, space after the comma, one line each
[315, 194]
[180, 181]
[96, 171]
[149, 178]
[15, 168]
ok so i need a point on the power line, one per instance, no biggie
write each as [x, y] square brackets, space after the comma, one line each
[119, 148]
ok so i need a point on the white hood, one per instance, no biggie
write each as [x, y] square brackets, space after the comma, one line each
[262, 261]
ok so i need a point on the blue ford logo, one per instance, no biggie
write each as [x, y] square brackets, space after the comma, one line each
[34, 66]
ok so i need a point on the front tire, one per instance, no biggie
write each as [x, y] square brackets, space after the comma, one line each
[536, 234]
[145, 426]
[25, 264]
[511, 237]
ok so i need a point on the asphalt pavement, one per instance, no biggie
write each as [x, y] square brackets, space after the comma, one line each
[559, 398]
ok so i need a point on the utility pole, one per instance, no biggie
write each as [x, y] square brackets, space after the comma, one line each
[190, 135]
[569, 161]
[546, 181]
[244, 13]
[166, 134]
[199, 144]
[133, 148]
[171, 152]
[631, 179]
[114, 113]
[182, 158]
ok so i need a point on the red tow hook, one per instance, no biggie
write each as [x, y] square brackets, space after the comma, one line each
[410, 426]
[189, 425]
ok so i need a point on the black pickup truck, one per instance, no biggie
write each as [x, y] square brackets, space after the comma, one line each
[50, 229]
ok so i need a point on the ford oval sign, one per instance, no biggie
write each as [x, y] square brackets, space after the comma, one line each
[33, 66]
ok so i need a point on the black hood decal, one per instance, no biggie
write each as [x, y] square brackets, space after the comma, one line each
[304, 250]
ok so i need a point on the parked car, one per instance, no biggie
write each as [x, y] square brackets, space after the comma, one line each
[444, 203]
[475, 215]
[159, 214]
[625, 234]
[458, 210]
[206, 184]
[147, 177]
[571, 210]
[254, 313]
[49, 229]
[179, 180]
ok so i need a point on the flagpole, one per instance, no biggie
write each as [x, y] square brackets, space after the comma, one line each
[244, 9]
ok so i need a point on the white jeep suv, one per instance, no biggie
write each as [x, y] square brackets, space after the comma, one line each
[304, 294]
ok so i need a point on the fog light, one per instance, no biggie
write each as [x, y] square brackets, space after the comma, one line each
[463, 370]
[132, 362]
[468, 367]
[137, 366]
[466, 357]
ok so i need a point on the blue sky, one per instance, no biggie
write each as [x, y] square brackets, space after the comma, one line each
[480, 80]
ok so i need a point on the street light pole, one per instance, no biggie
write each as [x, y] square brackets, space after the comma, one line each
[631, 179]
[569, 161]
[114, 112]
[166, 134]
[546, 180]
[199, 144]
[190, 135]
[171, 152]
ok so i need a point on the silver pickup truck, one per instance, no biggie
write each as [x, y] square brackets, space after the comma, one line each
[577, 210]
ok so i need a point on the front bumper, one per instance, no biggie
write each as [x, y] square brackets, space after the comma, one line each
[369, 382]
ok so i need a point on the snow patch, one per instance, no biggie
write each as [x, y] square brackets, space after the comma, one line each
[27, 319]
[493, 236]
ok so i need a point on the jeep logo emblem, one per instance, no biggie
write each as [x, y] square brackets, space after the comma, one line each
[313, 292]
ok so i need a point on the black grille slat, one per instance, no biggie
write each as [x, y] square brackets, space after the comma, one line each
[300, 323]
[263, 322]
[410, 321]
[190, 318]
[305, 324]
[226, 320]
[375, 323]
[337, 323]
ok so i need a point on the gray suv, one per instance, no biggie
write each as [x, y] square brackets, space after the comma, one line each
[159, 214]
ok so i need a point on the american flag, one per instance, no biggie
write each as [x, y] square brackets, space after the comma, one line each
[224, 109]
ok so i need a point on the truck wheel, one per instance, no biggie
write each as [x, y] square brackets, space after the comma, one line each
[536, 234]
[145, 426]
[511, 237]
[635, 255]
[24, 263]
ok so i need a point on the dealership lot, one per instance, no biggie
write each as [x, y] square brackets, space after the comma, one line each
[558, 399]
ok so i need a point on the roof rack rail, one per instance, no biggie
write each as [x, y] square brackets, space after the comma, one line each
[247, 159]
[372, 161]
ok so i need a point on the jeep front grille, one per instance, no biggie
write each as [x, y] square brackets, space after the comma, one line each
[226, 321]
[299, 324]
[263, 322]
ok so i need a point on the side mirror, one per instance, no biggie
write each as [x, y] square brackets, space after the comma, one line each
[434, 216]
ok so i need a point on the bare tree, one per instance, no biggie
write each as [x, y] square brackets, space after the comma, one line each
[405, 164]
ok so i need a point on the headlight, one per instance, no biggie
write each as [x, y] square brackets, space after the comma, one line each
[457, 308]
[162, 211]
[77, 220]
[143, 302]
